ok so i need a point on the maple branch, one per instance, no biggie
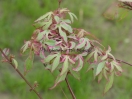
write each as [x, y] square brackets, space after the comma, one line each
[121, 61]
[10, 62]
[70, 89]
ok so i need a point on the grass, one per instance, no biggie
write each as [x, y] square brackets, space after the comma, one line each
[16, 19]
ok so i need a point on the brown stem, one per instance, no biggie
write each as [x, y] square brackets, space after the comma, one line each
[121, 61]
[10, 62]
[59, 2]
[70, 89]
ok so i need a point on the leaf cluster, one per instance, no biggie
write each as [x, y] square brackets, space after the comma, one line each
[67, 49]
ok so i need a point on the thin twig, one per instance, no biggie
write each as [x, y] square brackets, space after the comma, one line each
[70, 89]
[63, 92]
[59, 2]
[121, 61]
[86, 33]
[20, 74]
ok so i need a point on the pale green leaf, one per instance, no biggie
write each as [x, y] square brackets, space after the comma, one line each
[67, 27]
[88, 45]
[57, 19]
[112, 67]
[109, 83]
[100, 67]
[63, 34]
[105, 74]
[40, 24]
[49, 58]
[47, 25]
[59, 79]
[15, 63]
[44, 16]
[100, 77]
[73, 44]
[81, 45]
[104, 57]
[74, 73]
[29, 61]
[50, 42]
[96, 56]
[48, 67]
[111, 56]
[41, 35]
[65, 66]
[25, 46]
[118, 67]
[89, 56]
[67, 21]
[80, 65]
[72, 16]
[56, 62]
[64, 10]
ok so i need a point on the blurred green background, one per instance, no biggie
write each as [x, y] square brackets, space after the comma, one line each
[16, 19]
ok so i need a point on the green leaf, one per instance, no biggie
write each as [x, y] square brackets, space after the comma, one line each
[67, 27]
[64, 10]
[73, 44]
[100, 67]
[100, 77]
[72, 16]
[15, 63]
[81, 45]
[92, 66]
[49, 58]
[96, 56]
[56, 62]
[63, 34]
[88, 45]
[65, 66]
[25, 46]
[59, 79]
[80, 65]
[50, 42]
[42, 54]
[105, 74]
[112, 67]
[44, 16]
[104, 57]
[74, 73]
[40, 24]
[111, 56]
[48, 67]
[118, 66]
[29, 61]
[89, 56]
[41, 35]
[109, 83]
[67, 21]
[47, 25]
[57, 19]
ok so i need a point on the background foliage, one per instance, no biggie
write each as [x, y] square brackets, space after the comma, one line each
[16, 19]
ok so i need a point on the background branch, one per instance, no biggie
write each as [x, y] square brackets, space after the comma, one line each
[10, 62]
